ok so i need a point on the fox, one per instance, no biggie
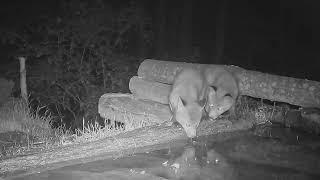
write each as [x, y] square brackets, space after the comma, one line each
[222, 93]
[187, 99]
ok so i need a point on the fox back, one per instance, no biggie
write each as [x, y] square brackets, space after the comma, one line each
[187, 99]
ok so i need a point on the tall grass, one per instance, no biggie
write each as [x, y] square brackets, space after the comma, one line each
[92, 132]
[16, 115]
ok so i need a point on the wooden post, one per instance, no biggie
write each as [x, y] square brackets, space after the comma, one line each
[23, 79]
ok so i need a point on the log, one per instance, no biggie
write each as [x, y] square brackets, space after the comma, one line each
[148, 90]
[294, 91]
[127, 143]
[133, 113]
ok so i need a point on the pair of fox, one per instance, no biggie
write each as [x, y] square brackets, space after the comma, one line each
[197, 93]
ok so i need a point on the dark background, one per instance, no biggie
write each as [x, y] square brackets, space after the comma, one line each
[274, 36]
[278, 36]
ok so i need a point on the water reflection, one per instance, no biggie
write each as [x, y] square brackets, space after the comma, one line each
[197, 162]
[267, 153]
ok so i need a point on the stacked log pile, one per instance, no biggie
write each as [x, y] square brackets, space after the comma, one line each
[147, 105]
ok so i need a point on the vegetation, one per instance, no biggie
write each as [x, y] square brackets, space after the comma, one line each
[73, 57]
[76, 57]
[22, 127]
[24, 131]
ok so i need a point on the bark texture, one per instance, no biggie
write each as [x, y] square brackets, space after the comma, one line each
[132, 112]
[294, 91]
[148, 90]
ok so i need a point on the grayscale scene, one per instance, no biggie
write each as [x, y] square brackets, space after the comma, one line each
[159, 89]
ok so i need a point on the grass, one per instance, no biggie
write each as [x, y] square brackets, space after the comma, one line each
[15, 115]
[23, 130]
[255, 111]
[95, 131]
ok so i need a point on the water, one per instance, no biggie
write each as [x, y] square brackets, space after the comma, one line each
[263, 153]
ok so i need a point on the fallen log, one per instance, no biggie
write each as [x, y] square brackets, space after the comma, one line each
[139, 140]
[294, 91]
[134, 113]
[148, 90]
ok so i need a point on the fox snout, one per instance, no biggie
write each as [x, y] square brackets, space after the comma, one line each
[191, 132]
[189, 117]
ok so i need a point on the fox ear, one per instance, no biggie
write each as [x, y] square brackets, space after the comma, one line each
[184, 103]
[212, 91]
[214, 88]
[181, 103]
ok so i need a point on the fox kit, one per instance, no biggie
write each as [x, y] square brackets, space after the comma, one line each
[187, 99]
[222, 93]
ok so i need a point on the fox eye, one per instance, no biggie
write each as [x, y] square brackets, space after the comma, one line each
[228, 94]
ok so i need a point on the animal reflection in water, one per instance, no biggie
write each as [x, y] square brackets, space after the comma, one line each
[189, 165]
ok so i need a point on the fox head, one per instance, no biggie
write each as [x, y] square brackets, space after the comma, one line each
[218, 102]
[189, 115]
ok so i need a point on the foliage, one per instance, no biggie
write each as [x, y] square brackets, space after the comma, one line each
[15, 115]
[76, 57]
